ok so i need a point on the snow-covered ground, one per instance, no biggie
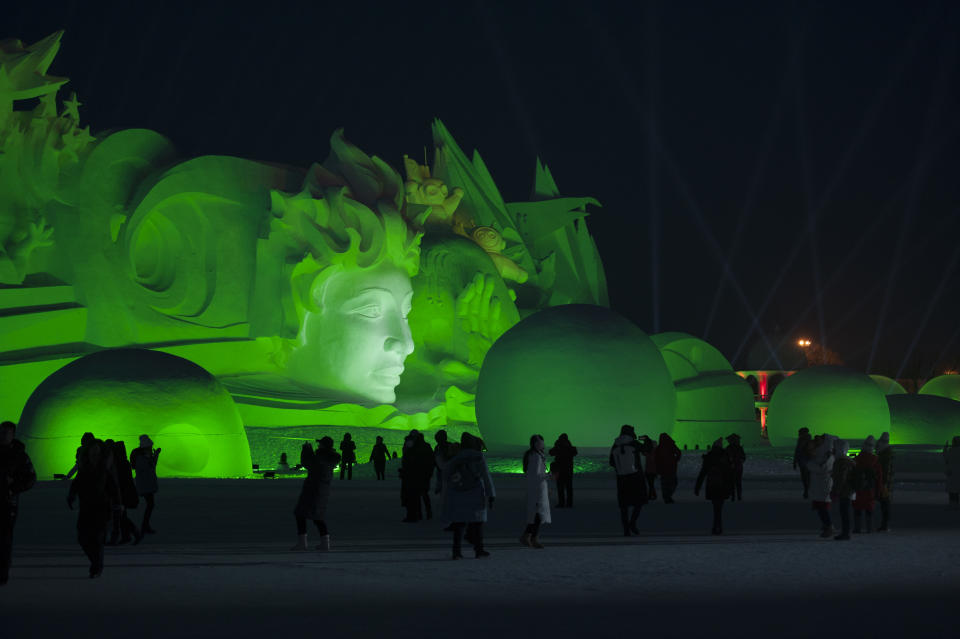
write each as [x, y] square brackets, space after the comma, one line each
[219, 566]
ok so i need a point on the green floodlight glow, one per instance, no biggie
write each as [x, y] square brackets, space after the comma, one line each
[827, 399]
[121, 394]
[576, 369]
[712, 400]
[923, 419]
[291, 287]
[943, 386]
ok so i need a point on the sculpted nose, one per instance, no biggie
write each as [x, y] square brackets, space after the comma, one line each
[400, 340]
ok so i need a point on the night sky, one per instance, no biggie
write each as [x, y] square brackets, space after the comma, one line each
[775, 166]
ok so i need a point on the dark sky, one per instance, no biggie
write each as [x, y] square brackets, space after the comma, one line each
[791, 167]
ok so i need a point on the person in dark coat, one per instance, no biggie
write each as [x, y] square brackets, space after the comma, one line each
[124, 530]
[951, 467]
[85, 439]
[416, 469]
[97, 490]
[16, 476]
[717, 471]
[738, 456]
[868, 477]
[843, 485]
[668, 457]
[625, 457]
[348, 456]
[315, 493]
[801, 454]
[885, 492]
[468, 494]
[144, 462]
[379, 456]
[563, 453]
[441, 452]
[427, 463]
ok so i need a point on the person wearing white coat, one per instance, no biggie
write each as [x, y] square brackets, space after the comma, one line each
[821, 481]
[538, 496]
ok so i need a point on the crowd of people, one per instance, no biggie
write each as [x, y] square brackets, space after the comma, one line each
[829, 475]
[108, 485]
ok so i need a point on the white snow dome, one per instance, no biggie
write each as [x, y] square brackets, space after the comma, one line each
[827, 399]
[923, 419]
[578, 369]
[943, 386]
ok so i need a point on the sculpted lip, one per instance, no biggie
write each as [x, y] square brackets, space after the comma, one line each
[389, 373]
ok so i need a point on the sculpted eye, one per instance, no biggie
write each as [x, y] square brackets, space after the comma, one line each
[372, 311]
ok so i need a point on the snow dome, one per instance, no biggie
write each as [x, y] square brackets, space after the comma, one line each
[888, 386]
[577, 369]
[943, 386]
[712, 400]
[827, 399]
[923, 419]
[122, 393]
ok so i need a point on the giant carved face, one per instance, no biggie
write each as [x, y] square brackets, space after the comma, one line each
[355, 345]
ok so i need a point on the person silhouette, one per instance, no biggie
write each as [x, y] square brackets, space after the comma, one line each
[563, 453]
[801, 454]
[348, 456]
[315, 492]
[738, 456]
[951, 468]
[97, 490]
[440, 454]
[885, 491]
[820, 465]
[468, 494]
[144, 461]
[124, 530]
[16, 476]
[867, 479]
[538, 496]
[625, 457]
[717, 470]
[668, 457]
[842, 490]
[379, 456]
[283, 466]
[85, 439]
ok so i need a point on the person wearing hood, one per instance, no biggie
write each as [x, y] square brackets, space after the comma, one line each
[144, 462]
[468, 494]
[668, 457]
[16, 476]
[315, 493]
[737, 456]
[843, 485]
[951, 462]
[867, 478]
[538, 494]
[563, 453]
[717, 471]
[885, 492]
[801, 454]
[820, 466]
[625, 456]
